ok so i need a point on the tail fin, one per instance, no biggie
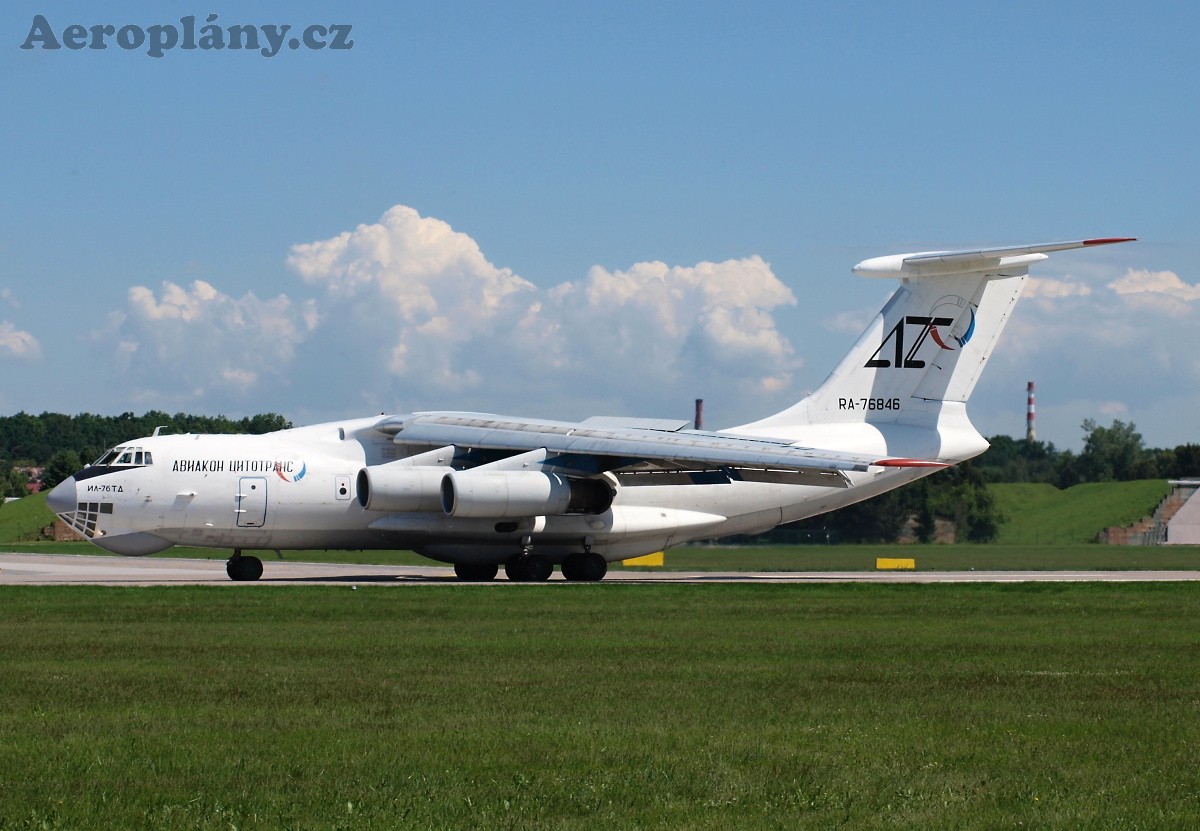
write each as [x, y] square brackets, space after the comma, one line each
[924, 352]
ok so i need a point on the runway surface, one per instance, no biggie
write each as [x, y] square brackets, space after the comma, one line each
[88, 570]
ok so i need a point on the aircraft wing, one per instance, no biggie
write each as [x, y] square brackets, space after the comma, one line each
[604, 444]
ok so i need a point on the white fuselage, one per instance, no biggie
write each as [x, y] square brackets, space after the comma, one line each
[296, 489]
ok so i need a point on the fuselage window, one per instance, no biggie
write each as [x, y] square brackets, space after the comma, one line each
[137, 458]
[149, 459]
[126, 458]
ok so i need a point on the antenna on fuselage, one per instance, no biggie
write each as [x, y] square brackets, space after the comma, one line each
[158, 429]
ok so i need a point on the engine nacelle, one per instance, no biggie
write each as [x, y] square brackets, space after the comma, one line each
[522, 493]
[400, 488]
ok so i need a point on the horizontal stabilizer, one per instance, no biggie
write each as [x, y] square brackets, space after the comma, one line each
[933, 263]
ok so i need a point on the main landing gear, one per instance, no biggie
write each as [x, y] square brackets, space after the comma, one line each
[242, 568]
[584, 568]
[527, 567]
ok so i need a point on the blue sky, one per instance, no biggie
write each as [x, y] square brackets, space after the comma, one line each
[567, 209]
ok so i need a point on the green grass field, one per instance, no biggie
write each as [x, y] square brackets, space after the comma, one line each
[1037, 706]
[23, 519]
[1041, 514]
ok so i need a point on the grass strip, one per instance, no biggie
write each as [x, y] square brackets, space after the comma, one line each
[559, 706]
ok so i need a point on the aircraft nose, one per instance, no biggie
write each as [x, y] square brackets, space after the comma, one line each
[62, 498]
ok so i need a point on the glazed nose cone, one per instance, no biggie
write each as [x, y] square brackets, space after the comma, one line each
[62, 499]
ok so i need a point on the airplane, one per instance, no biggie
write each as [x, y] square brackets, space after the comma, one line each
[483, 491]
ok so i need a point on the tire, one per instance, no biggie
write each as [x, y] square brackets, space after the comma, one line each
[476, 572]
[584, 568]
[244, 568]
[514, 570]
[538, 568]
[530, 569]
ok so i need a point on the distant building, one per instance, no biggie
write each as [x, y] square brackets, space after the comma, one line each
[35, 478]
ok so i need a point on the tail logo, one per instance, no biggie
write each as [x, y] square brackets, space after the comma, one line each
[952, 306]
[944, 324]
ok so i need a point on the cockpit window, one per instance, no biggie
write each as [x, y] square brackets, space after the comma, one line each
[125, 457]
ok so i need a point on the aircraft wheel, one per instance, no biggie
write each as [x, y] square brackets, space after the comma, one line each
[244, 568]
[514, 569]
[528, 569]
[539, 568]
[476, 572]
[585, 568]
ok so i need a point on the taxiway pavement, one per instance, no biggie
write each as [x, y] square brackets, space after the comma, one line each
[91, 570]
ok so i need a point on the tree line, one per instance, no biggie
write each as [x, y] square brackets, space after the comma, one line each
[62, 444]
[1116, 453]
[1110, 454]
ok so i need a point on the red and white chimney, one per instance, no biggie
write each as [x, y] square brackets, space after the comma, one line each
[1030, 415]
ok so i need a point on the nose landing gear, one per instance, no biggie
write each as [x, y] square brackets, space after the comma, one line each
[528, 568]
[243, 568]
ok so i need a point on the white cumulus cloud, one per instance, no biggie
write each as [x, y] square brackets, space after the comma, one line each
[454, 328]
[1112, 346]
[200, 338]
[419, 265]
[1047, 287]
[15, 343]
[420, 292]
[711, 317]
[1162, 291]
[1106, 326]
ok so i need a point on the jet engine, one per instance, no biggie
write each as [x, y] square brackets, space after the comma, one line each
[522, 493]
[400, 488]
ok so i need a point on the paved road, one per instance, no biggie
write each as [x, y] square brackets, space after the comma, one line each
[88, 570]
